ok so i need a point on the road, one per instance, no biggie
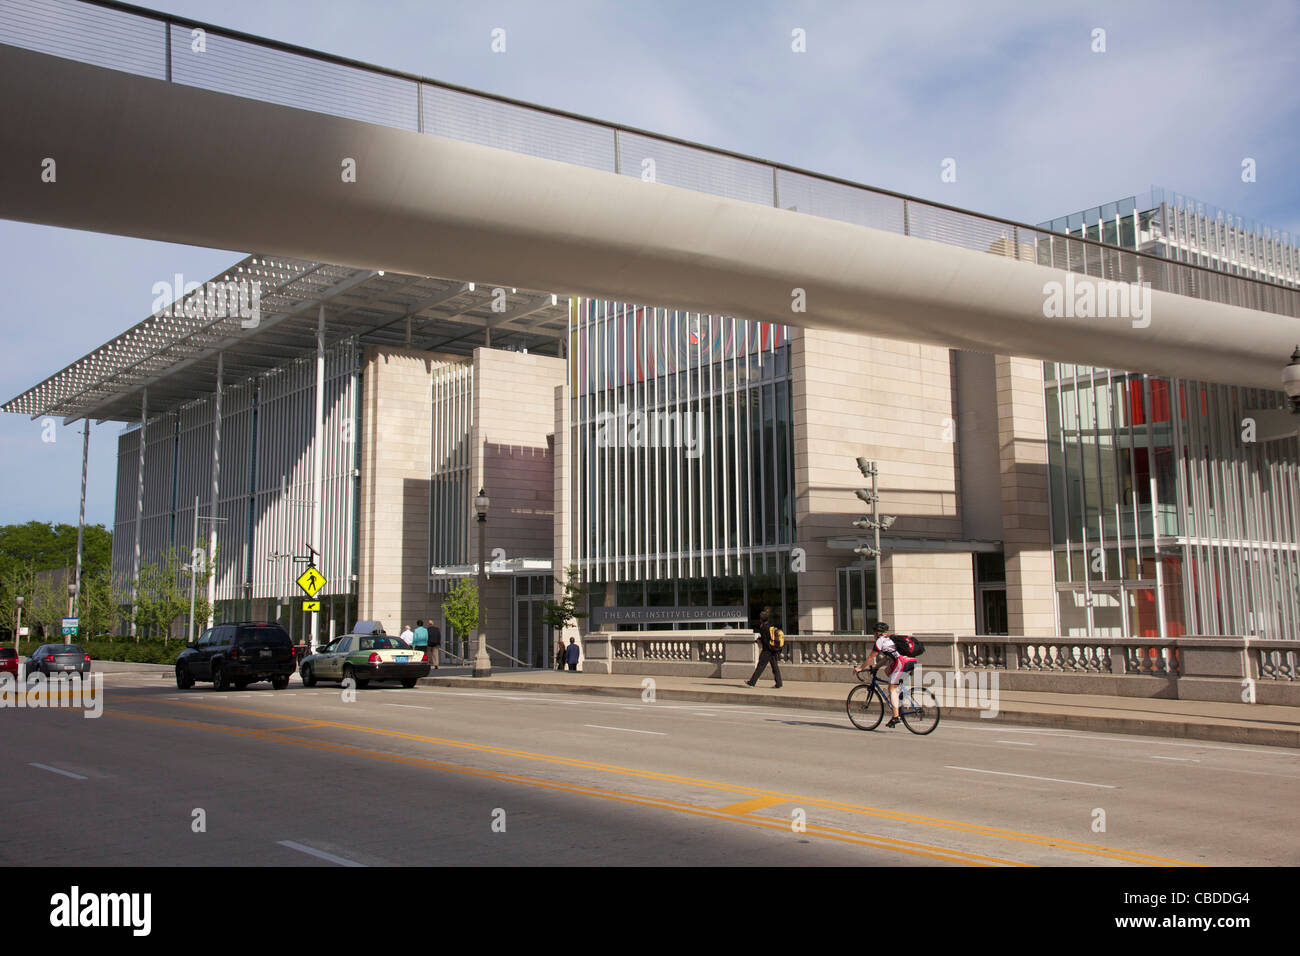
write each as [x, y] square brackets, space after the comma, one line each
[455, 776]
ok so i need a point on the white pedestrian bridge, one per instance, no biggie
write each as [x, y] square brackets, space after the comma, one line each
[126, 121]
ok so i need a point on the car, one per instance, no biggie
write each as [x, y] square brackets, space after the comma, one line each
[8, 661]
[366, 657]
[238, 654]
[50, 659]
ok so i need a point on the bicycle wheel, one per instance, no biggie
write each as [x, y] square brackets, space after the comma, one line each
[865, 706]
[919, 710]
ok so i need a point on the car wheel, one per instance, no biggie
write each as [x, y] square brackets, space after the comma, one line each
[408, 682]
[350, 674]
[308, 676]
[280, 683]
[183, 679]
[219, 681]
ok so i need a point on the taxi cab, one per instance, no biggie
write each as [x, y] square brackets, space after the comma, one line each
[363, 657]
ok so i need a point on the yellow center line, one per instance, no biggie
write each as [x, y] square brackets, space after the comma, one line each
[758, 803]
[825, 833]
[1034, 839]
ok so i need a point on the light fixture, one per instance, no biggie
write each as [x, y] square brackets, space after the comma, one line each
[1291, 381]
[481, 503]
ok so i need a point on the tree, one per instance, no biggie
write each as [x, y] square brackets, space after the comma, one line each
[461, 607]
[162, 595]
[565, 613]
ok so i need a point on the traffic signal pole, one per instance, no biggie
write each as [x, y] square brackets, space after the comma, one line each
[873, 522]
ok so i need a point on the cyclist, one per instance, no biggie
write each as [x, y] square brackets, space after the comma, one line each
[884, 644]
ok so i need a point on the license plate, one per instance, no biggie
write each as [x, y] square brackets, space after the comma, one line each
[265, 652]
[401, 660]
[69, 667]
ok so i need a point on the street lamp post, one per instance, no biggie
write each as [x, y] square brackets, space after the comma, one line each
[19, 626]
[72, 597]
[482, 663]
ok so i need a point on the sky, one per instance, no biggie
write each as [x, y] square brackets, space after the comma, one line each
[1039, 122]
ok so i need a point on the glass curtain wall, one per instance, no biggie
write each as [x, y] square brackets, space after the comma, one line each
[1167, 518]
[682, 447]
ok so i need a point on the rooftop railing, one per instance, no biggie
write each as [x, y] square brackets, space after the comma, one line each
[179, 50]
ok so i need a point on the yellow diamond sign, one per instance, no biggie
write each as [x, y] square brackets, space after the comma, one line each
[311, 581]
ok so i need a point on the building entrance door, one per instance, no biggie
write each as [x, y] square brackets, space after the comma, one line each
[531, 640]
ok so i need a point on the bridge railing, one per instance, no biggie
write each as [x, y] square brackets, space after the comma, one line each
[178, 50]
[1229, 669]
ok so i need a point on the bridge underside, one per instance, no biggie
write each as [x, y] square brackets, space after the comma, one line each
[142, 157]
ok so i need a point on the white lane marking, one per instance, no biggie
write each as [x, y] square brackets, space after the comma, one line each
[310, 851]
[626, 729]
[1017, 743]
[1186, 759]
[702, 715]
[66, 773]
[1081, 783]
[416, 706]
[1130, 739]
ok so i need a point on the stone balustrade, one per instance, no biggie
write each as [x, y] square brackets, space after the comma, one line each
[1230, 669]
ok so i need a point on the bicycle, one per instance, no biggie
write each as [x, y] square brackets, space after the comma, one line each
[867, 704]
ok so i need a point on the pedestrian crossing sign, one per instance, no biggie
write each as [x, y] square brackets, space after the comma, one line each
[311, 581]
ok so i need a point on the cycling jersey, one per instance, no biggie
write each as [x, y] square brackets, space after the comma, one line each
[901, 660]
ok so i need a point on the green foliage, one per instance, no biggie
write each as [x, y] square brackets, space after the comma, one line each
[147, 651]
[461, 607]
[27, 549]
[565, 613]
[38, 546]
[163, 594]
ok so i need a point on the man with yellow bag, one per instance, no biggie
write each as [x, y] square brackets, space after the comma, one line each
[771, 641]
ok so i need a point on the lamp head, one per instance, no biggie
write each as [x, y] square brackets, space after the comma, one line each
[1291, 381]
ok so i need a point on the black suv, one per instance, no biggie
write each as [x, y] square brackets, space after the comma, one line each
[238, 654]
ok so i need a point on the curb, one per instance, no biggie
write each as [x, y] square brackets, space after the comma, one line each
[1217, 731]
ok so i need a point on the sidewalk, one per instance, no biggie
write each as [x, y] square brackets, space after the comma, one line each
[1267, 725]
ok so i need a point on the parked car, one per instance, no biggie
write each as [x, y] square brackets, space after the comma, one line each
[238, 654]
[8, 661]
[366, 657]
[51, 659]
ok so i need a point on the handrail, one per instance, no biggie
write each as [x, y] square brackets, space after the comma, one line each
[505, 655]
[1156, 262]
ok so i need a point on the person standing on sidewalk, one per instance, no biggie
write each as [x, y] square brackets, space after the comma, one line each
[420, 640]
[571, 654]
[560, 655]
[407, 634]
[771, 640]
[435, 643]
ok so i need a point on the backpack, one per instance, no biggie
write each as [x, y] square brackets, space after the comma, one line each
[907, 645]
[775, 639]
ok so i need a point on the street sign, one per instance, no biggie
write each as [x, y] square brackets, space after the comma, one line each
[311, 581]
[70, 627]
[311, 605]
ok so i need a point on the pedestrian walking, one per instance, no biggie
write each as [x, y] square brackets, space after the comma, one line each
[572, 653]
[435, 643]
[771, 641]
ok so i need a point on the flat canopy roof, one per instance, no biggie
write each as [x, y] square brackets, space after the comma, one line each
[174, 355]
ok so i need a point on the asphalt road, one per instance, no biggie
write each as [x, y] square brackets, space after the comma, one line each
[451, 776]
